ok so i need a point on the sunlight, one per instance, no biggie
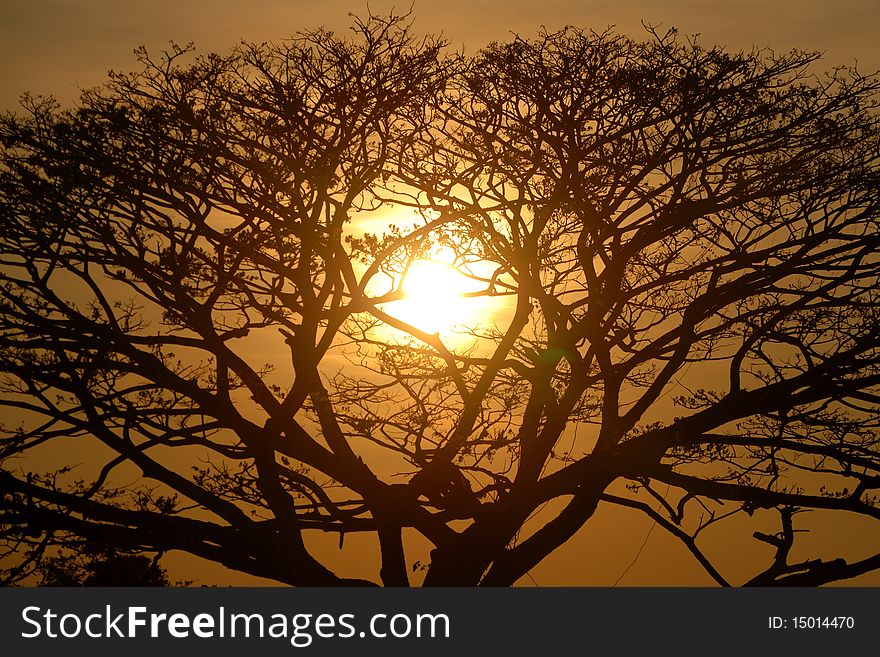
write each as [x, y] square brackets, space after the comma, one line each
[435, 297]
[440, 293]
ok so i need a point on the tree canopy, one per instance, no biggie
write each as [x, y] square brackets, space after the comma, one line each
[94, 565]
[673, 250]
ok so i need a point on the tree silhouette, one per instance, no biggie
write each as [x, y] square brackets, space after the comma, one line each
[101, 566]
[201, 350]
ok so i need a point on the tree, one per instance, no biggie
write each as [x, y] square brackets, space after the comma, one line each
[680, 242]
[101, 566]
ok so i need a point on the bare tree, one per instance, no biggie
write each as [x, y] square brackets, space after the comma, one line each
[682, 241]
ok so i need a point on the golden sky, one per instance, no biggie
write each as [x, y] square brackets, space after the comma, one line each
[54, 46]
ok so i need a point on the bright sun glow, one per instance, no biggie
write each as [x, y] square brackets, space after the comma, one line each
[440, 294]
[435, 297]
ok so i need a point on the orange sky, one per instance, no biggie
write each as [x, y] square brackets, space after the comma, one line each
[51, 46]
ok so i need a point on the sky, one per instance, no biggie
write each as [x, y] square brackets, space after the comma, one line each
[55, 47]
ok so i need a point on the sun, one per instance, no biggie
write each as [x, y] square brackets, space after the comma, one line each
[438, 297]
